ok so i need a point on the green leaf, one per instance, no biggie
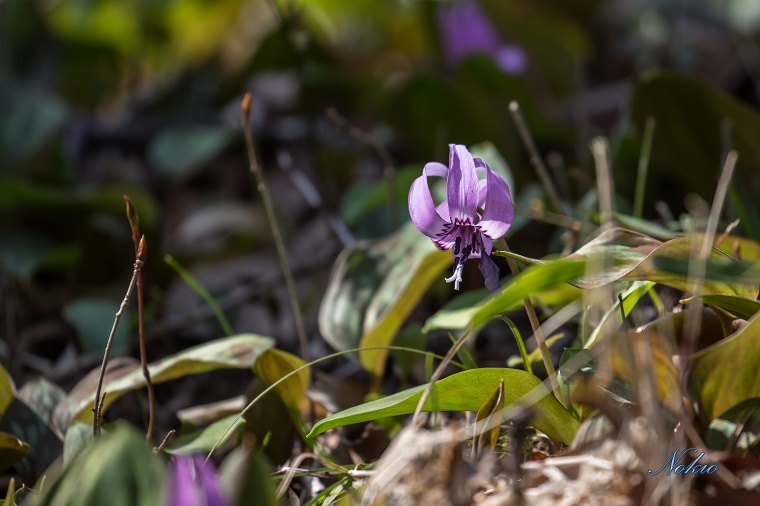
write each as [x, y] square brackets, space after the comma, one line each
[641, 258]
[12, 450]
[725, 374]
[201, 441]
[119, 469]
[238, 352]
[177, 152]
[530, 282]
[741, 307]
[373, 288]
[92, 318]
[273, 364]
[466, 391]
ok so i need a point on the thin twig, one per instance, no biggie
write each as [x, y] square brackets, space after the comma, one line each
[389, 171]
[163, 443]
[117, 317]
[139, 242]
[535, 158]
[272, 220]
[641, 175]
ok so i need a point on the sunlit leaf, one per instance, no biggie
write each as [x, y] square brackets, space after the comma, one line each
[725, 374]
[12, 450]
[640, 258]
[466, 391]
[7, 390]
[273, 364]
[531, 281]
[239, 352]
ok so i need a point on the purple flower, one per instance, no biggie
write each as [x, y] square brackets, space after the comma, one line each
[465, 29]
[456, 223]
[193, 482]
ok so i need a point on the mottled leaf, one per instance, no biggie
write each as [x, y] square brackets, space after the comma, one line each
[42, 396]
[24, 423]
[373, 288]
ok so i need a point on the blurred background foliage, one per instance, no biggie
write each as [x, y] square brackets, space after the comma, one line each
[101, 98]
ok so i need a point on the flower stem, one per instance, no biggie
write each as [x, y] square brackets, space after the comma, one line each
[97, 408]
[271, 219]
[536, 326]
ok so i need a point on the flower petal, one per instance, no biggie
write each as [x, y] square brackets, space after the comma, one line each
[421, 206]
[181, 485]
[498, 211]
[490, 272]
[462, 185]
[209, 482]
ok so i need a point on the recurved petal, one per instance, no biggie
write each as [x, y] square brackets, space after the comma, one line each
[462, 185]
[498, 211]
[422, 208]
[490, 272]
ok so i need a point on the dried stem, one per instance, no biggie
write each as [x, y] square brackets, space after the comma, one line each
[536, 326]
[389, 171]
[600, 149]
[141, 253]
[97, 408]
[697, 269]
[272, 220]
[535, 158]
